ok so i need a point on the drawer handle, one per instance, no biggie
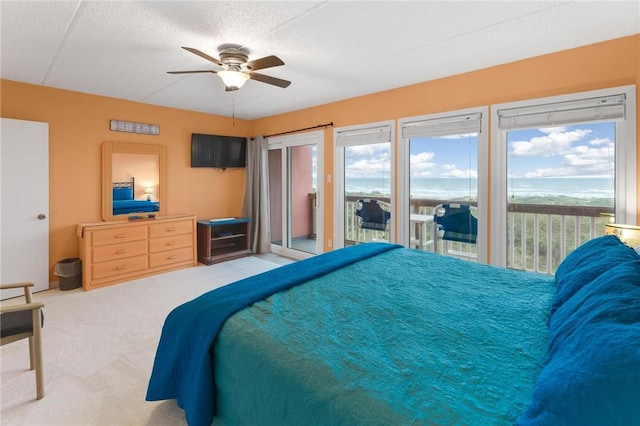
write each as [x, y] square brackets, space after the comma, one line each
[123, 251]
[121, 267]
[171, 257]
[171, 229]
[171, 243]
[121, 236]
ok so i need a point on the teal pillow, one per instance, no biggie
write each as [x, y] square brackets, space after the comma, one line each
[120, 194]
[591, 375]
[588, 262]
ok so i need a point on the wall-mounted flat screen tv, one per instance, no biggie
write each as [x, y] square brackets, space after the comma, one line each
[217, 151]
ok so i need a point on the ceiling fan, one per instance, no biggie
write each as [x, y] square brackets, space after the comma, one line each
[236, 68]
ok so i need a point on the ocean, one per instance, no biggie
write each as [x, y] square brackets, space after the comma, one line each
[453, 188]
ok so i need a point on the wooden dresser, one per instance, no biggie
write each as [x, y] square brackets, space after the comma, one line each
[113, 252]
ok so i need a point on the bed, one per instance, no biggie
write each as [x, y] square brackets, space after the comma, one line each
[124, 201]
[380, 334]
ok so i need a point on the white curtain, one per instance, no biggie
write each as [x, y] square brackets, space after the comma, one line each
[256, 195]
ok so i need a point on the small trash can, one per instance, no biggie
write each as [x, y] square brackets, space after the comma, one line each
[70, 273]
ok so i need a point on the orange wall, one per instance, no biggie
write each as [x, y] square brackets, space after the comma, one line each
[79, 124]
[598, 66]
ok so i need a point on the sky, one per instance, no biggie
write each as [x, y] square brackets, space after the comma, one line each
[585, 150]
[444, 157]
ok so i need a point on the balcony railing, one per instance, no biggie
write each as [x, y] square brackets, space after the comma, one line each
[539, 237]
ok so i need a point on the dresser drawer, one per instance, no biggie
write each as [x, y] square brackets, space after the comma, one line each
[114, 252]
[170, 243]
[118, 251]
[169, 257]
[111, 236]
[172, 228]
[120, 266]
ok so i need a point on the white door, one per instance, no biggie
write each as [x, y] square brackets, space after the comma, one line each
[441, 157]
[24, 204]
[363, 168]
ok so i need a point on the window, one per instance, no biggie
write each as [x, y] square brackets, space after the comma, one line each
[363, 169]
[440, 155]
[562, 167]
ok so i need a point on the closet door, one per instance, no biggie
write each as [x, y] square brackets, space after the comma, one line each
[24, 204]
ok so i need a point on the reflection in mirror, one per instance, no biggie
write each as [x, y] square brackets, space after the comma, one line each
[135, 176]
[132, 180]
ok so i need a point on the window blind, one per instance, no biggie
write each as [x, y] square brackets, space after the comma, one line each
[450, 125]
[604, 108]
[378, 134]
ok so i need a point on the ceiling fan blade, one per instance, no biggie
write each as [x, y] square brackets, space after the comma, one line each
[191, 72]
[204, 55]
[269, 80]
[266, 62]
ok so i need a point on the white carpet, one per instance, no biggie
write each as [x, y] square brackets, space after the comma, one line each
[98, 350]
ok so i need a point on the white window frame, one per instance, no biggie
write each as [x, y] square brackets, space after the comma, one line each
[626, 181]
[338, 174]
[483, 178]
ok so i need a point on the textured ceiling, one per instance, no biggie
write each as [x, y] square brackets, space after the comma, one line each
[332, 50]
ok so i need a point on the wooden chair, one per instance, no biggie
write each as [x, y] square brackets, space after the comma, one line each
[22, 321]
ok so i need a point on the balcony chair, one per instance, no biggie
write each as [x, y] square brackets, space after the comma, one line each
[373, 215]
[22, 321]
[455, 222]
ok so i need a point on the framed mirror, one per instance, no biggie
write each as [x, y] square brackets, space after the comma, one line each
[133, 180]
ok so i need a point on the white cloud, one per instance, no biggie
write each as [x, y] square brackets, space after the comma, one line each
[422, 164]
[369, 167]
[459, 173]
[552, 129]
[423, 157]
[591, 161]
[550, 172]
[368, 161]
[461, 136]
[367, 151]
[554, 143]
[581, 161]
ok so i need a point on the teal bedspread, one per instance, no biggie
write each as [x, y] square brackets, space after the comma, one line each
[183, 367]
[405, 337]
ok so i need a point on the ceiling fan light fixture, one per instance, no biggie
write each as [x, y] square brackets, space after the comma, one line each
[237, 69]
[233, 79]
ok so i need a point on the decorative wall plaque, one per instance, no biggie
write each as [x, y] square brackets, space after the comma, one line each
[127, 126]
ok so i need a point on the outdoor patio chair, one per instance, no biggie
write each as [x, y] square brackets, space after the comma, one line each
[373, 215]
[458, 223]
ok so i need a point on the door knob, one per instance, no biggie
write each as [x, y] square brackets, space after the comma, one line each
[42, 216]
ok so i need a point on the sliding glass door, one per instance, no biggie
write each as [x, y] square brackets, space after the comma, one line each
[442, 183]
[296, 216]
[363, 171]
